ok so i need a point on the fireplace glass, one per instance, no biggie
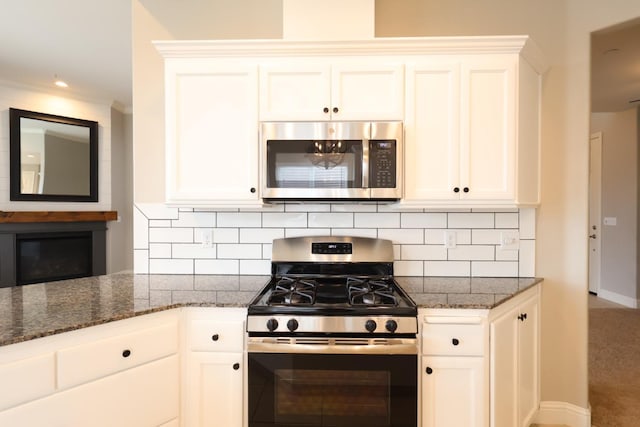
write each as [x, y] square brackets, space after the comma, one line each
[45, 257]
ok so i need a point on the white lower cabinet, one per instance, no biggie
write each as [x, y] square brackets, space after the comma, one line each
[453, 392]
[214, 366]
[515, 394]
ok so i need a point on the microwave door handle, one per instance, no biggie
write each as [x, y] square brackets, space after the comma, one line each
[365, 163]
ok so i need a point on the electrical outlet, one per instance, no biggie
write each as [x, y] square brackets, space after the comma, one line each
[207, 238]
[509, 240]
[449, 239]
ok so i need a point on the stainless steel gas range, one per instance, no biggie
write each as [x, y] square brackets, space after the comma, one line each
[332, 338]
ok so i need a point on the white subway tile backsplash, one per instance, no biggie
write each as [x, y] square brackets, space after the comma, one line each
[160, 250]
[507, 220]
[423, 220]
[408, 268]
[447, 268]
[330, 220]
[471, 220]
[422, 252]
[171, 266]
[527, 258]
[255, 266]
[226, 235]
[436, 236]
[284, 219]
[140, 230]
[193, 250]
[472, 252]
[169, 240]
[355, 232]
[141, 261]
[494, 268]
[239, 251]
[195, 219]
[402, 235]
[239, 219]
[528, 223]
[217, 266]
[171, 235]
[377, 220]
[260, 235]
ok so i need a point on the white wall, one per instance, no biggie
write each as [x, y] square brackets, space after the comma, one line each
[33, 100]
[619, 200]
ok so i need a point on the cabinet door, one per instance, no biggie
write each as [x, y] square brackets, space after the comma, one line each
[453, 392]
[212, 132]
[144, 396]
[528, 399]
[487, 131]
[213, 390]
[295, 91]
[367, 91]
[504, 370]
[432, 131]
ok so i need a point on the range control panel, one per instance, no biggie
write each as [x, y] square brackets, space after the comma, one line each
[382, 164]
[331, 248]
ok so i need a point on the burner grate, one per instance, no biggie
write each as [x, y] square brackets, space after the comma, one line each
[293, 291]
[370, 292]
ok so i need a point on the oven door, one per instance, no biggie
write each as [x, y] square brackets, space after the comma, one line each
[332, 385]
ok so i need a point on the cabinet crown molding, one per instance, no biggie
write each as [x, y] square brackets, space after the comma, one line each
[395, 46]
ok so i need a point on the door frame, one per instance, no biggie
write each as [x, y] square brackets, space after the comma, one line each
[595, 212]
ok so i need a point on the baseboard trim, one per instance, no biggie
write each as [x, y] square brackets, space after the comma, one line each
[563, 413]
[617, 298]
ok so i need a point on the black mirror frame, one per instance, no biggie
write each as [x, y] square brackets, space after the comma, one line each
[15, 193]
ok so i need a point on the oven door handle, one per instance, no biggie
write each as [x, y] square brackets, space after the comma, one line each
[270, 345]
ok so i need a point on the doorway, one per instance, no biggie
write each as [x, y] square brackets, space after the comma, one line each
[595, 211]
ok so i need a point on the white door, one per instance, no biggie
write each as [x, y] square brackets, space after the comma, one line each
[595, 202]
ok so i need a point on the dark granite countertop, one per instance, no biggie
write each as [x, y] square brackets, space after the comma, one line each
[33, 311]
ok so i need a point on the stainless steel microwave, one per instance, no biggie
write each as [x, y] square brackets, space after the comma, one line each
[331, 160]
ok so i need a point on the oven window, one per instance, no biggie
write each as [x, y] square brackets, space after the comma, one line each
[337, 390]
[314, 164]
[331, 394]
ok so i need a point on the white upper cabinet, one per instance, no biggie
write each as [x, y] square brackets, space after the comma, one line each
[470, 107]
[211, 132]
[467, 131]
[329, 89]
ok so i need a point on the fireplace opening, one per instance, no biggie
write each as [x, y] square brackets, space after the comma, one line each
[45, 257]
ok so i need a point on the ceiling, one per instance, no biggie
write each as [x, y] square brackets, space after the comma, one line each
[87, 43]
[615, 67]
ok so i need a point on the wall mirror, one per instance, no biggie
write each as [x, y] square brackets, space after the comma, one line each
[53, 158]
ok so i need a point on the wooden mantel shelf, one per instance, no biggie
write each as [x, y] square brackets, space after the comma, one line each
[56, 216]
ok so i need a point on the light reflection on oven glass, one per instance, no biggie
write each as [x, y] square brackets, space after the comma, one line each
[332, 393]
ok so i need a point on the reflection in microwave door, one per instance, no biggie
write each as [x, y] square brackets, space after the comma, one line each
[326, 160]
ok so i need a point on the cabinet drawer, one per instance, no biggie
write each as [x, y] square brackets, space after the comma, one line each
[453, 340]
[210, 335]
[27, 379]
[95, 359]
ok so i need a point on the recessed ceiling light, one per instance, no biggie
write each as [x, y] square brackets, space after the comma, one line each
[59, 82]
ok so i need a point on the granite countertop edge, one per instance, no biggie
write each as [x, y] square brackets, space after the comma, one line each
[427, 292]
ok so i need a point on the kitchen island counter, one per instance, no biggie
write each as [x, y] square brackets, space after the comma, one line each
[33, 311]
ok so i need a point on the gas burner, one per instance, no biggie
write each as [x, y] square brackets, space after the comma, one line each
[370, 292]
[293, 291]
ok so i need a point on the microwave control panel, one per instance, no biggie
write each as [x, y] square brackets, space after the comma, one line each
[382, 164]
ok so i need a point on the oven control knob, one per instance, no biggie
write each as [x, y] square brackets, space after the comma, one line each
[292, 325]
[391, 325]
[272, 325]
[370, 325]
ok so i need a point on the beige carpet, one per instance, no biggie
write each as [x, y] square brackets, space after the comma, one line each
[614, 367]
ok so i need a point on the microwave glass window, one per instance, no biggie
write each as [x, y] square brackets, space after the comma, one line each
[314, 164]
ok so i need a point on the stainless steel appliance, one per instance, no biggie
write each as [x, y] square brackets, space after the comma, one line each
[332, 160]
[332, 338]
